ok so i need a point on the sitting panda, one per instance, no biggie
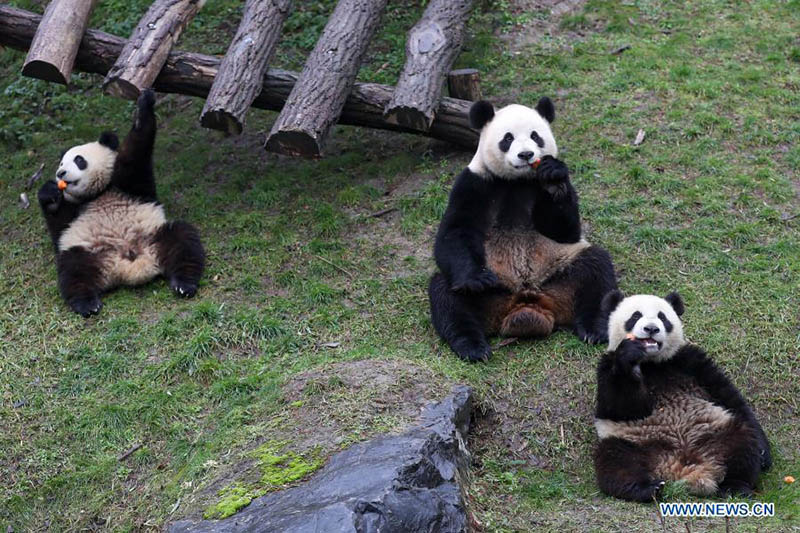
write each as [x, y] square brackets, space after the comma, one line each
[665, 412]
[106, 224]
[509, 248]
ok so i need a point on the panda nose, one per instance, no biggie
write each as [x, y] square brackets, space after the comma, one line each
[525, 155]
[651, 330]
[61, 173]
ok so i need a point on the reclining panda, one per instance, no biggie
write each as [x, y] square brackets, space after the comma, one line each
[106, 224]
[509, 248]
[666, 412]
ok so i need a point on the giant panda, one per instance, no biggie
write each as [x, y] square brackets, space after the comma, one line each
[665, 412]
[106, 223]
[510, 250]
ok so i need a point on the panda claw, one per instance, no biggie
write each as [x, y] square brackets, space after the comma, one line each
[182, 288]
[86, 307]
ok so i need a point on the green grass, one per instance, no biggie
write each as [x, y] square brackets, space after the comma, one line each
[707, 205]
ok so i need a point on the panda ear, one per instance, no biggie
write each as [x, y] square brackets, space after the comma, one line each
[610, 302]
[109, 139]
[480, 114]
[546, 108]
[674, 299]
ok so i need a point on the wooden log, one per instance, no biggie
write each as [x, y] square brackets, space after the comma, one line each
[193, 74]
[317, 99]
[144, 54]
[464, 84]
[431, 48]
[240, 75]
[57, 39]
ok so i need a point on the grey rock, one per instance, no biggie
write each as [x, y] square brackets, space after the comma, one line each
[405, 483]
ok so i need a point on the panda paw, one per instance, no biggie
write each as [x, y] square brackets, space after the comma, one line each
[86, 306]
[144, 108]
[183, 288]
[472, 350]
[650, 491]
[485, 279]
[629, 355]
[590, 336]
[50, 196]
[552, 169]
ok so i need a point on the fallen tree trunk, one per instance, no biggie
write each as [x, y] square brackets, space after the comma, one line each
[55, 45]
[431, 48]
[317, 99]
[144, 54]
[193, 74]
[240, 75]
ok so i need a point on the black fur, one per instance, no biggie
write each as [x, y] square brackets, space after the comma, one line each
[547, 204]
[58, 213]
[625, 391]
[108, 139]
[79, 277]
[674, 299]
[480, 114]
[505, 143]
[664, 320]
[546, 108]
[538, 140]
[631, 322]
[181, 254]
[133, 168]
[610, 302]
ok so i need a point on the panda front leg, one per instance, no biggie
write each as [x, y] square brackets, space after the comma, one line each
[458, 320]
[181, 256]
[80, 280]
[593, 273]
[133, 169]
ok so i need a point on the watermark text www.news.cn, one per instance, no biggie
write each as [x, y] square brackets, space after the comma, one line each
[717, 509]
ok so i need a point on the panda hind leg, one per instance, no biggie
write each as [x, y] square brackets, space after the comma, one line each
[181, 256]
[743, 463]
[458, 321]
[623, 471]
[593, 274]
[80, 279]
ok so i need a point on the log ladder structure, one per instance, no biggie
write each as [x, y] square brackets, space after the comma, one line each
[310, 103]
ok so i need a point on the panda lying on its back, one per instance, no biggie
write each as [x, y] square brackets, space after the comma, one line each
[509, 247]
[107, 226]
[666, 412]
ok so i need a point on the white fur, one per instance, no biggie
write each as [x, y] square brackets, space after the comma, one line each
[649, 305]
[120, 232]
[82, 184]
[520, 121]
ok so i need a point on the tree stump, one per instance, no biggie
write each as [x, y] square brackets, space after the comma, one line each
[464, 84]
[431, 48]
[241, 73]
[193, 74]
[317, 99]
[144, 54]
[57, 39]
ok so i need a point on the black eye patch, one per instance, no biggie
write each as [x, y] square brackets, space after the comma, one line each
[80, 162]
[633, 320]
[538, 140]
[505, 144]
[667, 324]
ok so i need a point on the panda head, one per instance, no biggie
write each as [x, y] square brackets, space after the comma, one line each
[512, 138]
[654, 322]
[87, 168]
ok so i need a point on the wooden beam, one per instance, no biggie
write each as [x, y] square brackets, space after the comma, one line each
[465, 84]
[57, 39]
[317, 99]
[144, 54]
[242, 70]
[193, 74]
[431, 49]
